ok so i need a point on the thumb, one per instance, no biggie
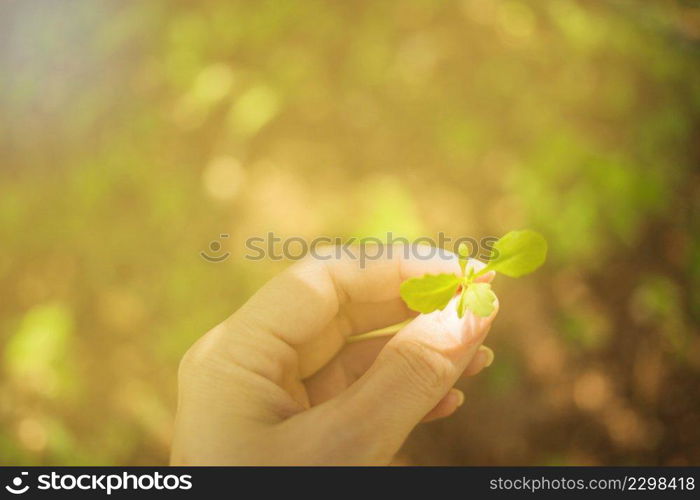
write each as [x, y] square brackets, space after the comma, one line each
[413, 372]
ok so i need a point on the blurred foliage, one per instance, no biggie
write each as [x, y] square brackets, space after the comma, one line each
[132, 134]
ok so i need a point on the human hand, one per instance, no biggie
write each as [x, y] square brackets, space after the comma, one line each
[277, 383]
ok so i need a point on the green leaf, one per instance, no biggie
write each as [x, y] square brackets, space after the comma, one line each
[478, 298]
[431, 292]
[517, 253]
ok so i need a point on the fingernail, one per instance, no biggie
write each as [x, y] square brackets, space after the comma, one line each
[459, 395]
[488, 355]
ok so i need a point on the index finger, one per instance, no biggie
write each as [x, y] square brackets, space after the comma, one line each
[299, 303]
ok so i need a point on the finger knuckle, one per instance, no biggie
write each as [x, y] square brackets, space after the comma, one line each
[425, 367]
[191, 362]
[186, 364]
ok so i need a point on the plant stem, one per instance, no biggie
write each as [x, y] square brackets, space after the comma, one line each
[483, 271]
[374, 334]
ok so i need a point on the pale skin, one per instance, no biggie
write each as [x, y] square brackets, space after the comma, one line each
[277, 383]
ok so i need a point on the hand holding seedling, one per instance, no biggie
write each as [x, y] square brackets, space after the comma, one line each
[279, 383]
[515, 254]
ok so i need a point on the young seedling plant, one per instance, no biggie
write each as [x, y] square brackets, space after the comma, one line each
[514, 255]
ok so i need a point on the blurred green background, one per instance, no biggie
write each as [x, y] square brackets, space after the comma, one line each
[132, 134]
